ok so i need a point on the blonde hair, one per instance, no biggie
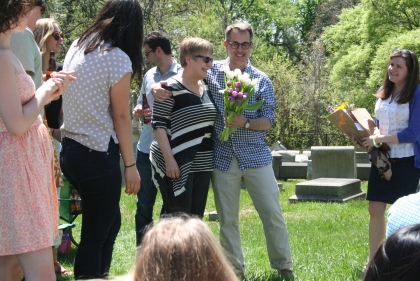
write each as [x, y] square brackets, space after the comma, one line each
[43, 29]
[181, 249]
[192, 46]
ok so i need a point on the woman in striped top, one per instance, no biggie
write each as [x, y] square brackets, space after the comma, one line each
[182, 153]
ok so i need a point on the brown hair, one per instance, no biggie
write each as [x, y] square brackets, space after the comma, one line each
[407, 92]
[181, 249]
[43, 29]
[11, 11]
[241, 26]
[192, 46]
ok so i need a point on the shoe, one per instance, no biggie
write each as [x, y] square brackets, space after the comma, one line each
[59, 269]
[286, 274]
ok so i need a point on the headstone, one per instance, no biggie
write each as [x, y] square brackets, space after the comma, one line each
[278, 146]
[328, 190]
[333, 162]
[309, 175]
[277, 160]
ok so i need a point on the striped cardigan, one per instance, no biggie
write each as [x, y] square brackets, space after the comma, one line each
[188, 120]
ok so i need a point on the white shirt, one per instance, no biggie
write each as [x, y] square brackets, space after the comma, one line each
[393, 118]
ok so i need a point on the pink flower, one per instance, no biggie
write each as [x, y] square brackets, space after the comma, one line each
[238, 84]
[235, 94]
[240, 95]
[230, 90]
[244, 96]
[229, 83]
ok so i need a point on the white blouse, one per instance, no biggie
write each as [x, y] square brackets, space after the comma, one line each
[393, 118]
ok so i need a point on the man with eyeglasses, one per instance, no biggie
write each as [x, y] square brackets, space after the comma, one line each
[25, 48]
[245, 156]
[157, 50]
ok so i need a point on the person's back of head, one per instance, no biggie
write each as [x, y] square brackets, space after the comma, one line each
[181, 248]
[118, 24]
[158, 39]
[398, 258]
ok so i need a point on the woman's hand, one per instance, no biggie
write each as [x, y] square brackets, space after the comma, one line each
[172, 169]
[132, 180]
[61, 81]
[367, 142]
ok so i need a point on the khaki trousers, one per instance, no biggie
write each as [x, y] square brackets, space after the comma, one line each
[263, 190]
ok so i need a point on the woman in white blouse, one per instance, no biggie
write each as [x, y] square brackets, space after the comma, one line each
[97, 128]
[397, 112]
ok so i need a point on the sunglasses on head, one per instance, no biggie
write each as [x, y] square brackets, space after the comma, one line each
[403, 52]
[57, 35]
[205, 59]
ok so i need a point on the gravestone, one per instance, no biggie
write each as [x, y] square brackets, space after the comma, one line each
[334, 176]
[333, 162]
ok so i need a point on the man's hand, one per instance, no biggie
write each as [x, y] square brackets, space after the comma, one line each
[239, 121]
[159, 93]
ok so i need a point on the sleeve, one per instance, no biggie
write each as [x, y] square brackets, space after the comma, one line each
[161, 113]
[119, 64]
[266, 93]
[412, 133]
[22, 47]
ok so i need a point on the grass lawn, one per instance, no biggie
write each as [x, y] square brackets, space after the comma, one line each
[329, 241]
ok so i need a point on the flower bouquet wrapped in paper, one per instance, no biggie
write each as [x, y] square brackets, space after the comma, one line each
[239, 87]
[357, 124]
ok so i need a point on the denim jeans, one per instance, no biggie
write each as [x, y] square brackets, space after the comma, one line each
[146, 196]
[97, 177]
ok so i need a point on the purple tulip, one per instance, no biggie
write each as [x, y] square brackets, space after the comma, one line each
[230, 90]
[234, 94]
[238, 84]
[238, 101]
[330, 108]
[229, 83]
[231, 98]
[244, 96]
[240, 95]
[246, 93]
[237, 89]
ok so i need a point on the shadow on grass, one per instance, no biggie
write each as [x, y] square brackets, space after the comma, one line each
[269, 277]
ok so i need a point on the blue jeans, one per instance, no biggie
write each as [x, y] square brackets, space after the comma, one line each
[97, 177]
[146, 196]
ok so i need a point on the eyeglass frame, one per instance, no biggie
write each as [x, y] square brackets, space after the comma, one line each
[146, 54]
[205, 58]
[232, 44]
[57, 35]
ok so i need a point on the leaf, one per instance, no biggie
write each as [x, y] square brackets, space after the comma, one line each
[254, 106]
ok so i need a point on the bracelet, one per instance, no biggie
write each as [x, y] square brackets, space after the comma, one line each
[375, 144]
[130, 165]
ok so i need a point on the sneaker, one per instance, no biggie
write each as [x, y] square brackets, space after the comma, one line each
[286, 274]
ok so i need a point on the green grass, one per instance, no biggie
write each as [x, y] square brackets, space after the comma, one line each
[329, 241]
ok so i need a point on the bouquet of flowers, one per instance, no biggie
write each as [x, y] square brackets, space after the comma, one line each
[357, 123]
[239, 87]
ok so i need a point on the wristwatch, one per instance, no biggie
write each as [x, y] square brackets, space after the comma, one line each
[248, 122]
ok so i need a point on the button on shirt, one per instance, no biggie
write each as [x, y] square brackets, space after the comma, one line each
[87, 101]
[394, 118]
[246, 145]
[151, 77]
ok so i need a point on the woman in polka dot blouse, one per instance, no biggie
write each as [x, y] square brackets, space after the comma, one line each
[97, 128]
[397, 112]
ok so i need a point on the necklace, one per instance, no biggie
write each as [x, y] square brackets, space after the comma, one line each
[394, 97]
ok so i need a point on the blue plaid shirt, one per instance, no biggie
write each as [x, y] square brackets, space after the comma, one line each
[246, 145]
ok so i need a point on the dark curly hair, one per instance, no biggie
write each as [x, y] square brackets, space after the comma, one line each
[11, 10]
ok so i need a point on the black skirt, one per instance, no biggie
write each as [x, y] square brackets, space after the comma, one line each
[404, 181]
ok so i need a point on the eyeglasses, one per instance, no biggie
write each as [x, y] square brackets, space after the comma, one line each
[57, 35]
[205, 59]
[245, 45]
[146, 54]
[403, 52]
